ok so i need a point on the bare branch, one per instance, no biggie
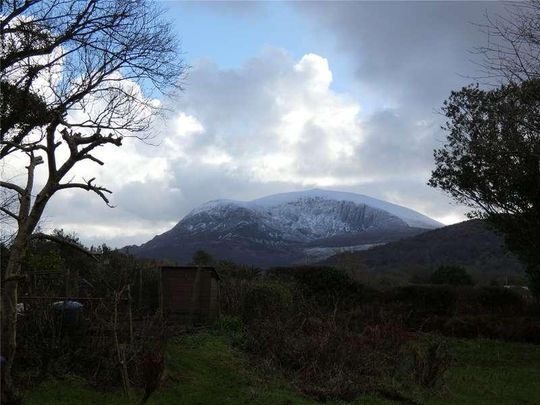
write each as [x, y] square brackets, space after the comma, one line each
[512, 52]
[12, 186]
[63, 241]
[9, 213]
[94, 159]
[88, 186]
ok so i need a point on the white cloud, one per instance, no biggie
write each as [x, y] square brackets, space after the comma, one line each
[316, 71]
[273, 125]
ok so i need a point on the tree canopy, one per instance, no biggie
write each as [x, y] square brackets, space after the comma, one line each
[491, 162]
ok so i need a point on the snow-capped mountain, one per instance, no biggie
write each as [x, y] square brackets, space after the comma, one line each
[285, 228]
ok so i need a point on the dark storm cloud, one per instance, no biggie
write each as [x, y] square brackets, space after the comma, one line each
[411, 52]
[397, 145]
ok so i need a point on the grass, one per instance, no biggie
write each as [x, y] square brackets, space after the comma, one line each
[201, 369]
[493, 372]
[204, 369]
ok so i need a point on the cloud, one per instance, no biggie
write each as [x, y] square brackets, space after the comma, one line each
[275, 118]
[274, 124]
[409, 54]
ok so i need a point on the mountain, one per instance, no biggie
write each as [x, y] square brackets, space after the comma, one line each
[471, 244]
[285, 228]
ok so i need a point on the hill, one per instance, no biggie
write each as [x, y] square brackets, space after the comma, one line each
[471, 244]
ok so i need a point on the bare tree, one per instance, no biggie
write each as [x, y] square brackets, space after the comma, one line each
[85, 72]
[512, 52]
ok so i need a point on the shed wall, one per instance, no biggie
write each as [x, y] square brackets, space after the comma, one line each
[189, 294]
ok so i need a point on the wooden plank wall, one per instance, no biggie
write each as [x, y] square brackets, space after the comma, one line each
[189, 294]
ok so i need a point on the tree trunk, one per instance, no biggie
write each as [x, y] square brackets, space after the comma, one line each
[9, 317]
[28, 219]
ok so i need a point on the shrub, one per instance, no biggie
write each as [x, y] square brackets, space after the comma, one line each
[266, 300]
[152, 366]
[425, 299]
[235, 282]
[453, 275]
[234, 329]
[202, 258]
[498, 299]
[429, 361]
[323, 357]
[324, 285]
[464, 326]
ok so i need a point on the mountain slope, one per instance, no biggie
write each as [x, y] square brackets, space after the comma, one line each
[471, 244]
[285, 228]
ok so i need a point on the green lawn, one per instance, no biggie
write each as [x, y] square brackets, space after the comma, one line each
[204, 369]
[493, 372]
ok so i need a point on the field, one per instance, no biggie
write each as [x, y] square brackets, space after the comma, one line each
[205, 369]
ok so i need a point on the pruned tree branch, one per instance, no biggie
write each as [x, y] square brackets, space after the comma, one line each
[88, 186]
[66, 242]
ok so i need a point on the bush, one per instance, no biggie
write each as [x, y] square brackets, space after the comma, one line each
[325, 285]
[49, 341]
[496, 299]
[266, 300]
[235, 281]
[425, 299]
[429, 361]
[452, 275]
[234, 329]
[328, 362]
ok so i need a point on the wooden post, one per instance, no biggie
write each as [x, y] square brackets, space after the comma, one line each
[67, 284]
[130, 315]
[75, 283]
[195, 294]
[218, 299]
[139, 298]
[160, 291]
[120, 350]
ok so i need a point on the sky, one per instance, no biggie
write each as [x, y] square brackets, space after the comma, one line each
[289, 96]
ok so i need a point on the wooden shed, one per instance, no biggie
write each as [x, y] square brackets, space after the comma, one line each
[190, 294]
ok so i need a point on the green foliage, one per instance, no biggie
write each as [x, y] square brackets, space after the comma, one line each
[235, 330]
[424, 299]
[204, 369]
[497, 299]
[492, 372]
[21, 108]
[235, 281]
[202, 258]
[266, 300]
[44, 265]
[229, 270]
[453, 275]
[326, 285]
[428, 361]
[491, 162]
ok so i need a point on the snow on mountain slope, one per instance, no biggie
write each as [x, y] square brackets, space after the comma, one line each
[317, 210]
[285, 228]
[411, 217]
